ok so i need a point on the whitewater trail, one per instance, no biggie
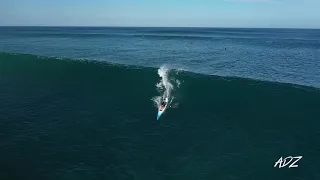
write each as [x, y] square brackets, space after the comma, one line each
[166, 86]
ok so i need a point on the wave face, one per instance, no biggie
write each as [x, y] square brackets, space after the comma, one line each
[278, 55]
[67, 119]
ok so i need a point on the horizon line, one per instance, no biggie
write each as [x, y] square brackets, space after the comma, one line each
[217, 27]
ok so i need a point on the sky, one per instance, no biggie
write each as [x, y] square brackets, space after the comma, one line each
[162, 13]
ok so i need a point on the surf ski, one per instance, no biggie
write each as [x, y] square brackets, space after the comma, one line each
[162, 107]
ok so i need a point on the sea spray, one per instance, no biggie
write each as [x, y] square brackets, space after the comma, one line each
[164, 83]
[168, 83]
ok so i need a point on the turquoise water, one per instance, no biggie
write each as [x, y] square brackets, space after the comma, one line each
[77, 103]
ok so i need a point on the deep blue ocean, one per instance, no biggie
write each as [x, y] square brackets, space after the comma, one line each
[280, 55]
[81, 103]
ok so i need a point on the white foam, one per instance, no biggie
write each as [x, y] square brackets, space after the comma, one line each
[164, 83]
[165, 86]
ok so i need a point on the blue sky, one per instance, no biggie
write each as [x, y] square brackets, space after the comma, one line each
[207, 13]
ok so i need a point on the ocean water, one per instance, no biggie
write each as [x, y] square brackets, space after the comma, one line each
[81, 103]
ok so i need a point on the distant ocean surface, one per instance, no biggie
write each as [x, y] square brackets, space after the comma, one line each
[81, 103]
